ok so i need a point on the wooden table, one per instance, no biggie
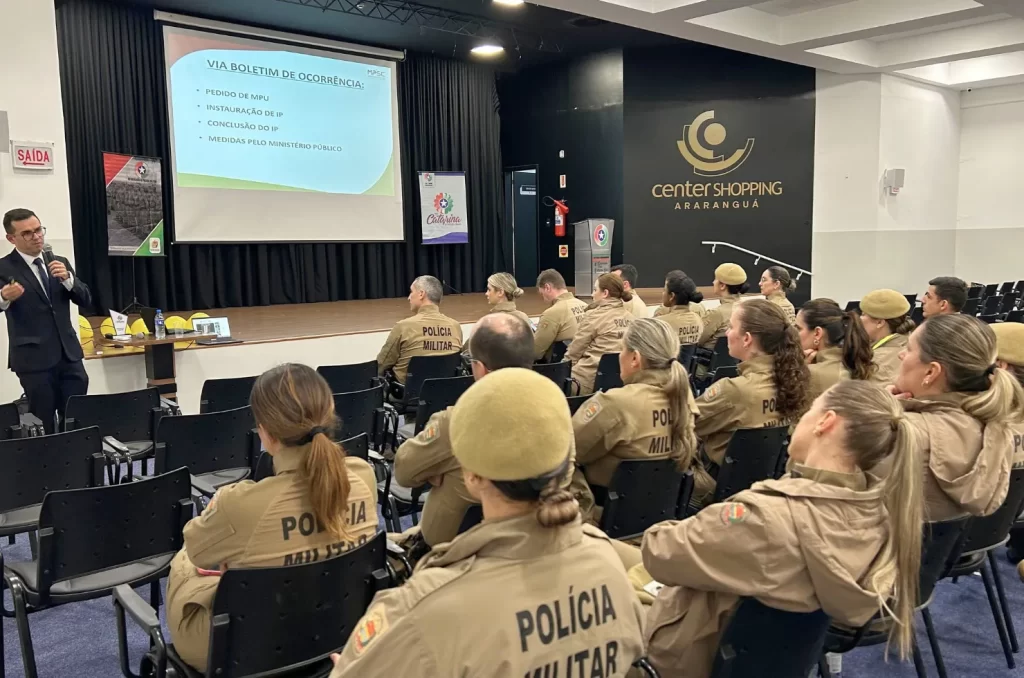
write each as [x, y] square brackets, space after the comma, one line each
[159, 355]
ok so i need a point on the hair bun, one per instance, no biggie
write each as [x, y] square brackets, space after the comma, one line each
[697, 297]
[792, 285]
[518, 292]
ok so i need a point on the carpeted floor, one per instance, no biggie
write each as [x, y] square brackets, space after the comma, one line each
[80, 639]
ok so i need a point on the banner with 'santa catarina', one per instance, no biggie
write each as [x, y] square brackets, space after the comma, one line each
[443, 208]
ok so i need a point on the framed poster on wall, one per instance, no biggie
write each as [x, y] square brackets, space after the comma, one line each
[135, 205]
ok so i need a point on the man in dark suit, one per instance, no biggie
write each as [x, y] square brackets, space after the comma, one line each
[44, 349]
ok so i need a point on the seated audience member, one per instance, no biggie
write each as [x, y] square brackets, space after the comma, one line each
[835, 345]
[678, 298]
[600, 330]
[258, 524]
[885, 315]
[963, 407]
[650, 417]
[775, 284]
[696, 306]
[945, 295]
[730, 283]
[428, 332]
[628, 274]
[789, 543]
[482, 604]
[1010, 357]
[771, 389]
[561, 320]
[502, 292]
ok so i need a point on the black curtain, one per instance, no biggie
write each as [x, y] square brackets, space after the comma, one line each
[112, 81]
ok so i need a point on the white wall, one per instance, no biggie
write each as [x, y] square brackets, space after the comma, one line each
[30, 93]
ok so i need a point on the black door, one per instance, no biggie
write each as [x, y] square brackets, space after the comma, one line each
[524, 226]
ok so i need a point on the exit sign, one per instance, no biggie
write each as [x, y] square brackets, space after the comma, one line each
[28, 155]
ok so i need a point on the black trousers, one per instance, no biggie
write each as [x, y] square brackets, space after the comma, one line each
[48, 391]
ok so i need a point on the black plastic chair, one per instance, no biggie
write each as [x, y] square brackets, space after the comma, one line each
[34, 466]
[14, 424]
[1006, 287]
[991, 306]
[971, 306]
[752, 455]
[357, 446]
[725, 372]
[645, 667]
[687, 354]
[311, 612]
[939, 544]
[990, 290]
[643, 492]
[130, 417]
[917, 315]
[362, 412]
[576, 401]
[558, 351]
[423, 367]
[1015, 316]
[974, 291]
[853, 305]
[608, 373]
[989, 319]
[219, 447]
[435, 396]
[84, 552]
[219, 395]
[1009, 302]
[911, 299]
[347, 378]
[560, 373]
[761, 641]
[718, 359]
[473, 517]
[982, 537]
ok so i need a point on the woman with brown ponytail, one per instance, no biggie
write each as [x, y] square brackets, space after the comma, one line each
[484, 604]
[650, 417]
[789, 542]
[835, 345]
[775, 284]
[771, 389]
[600, 330]
[963, 407]
[319, 504]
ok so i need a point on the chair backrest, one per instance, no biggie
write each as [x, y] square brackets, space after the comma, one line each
[98, 528]
[911, 299]
[990, 531]
[356, 446]
[10, 418]
[991, 305]
[938, 543]
[576, 401]
[474, 516]
[423, 367]
[1015, 316]
[312, 613]
[917, 315]
[264, 466]
[725, 372]
[990, 289]
[438, 394]
[1009, 302]
[974, 291]
[204, 443]
[560, 373]
[558, 351]
[687, 353]
[608, 373]
[989, 319]
[126, 416]
[721, 357]
[347, 378]
[752, 455]
[853, 305]
[970, 307]
[642, 492]
[1006, 287]
[759, 636]
[31, 467]
[356, 411]
[219, 395]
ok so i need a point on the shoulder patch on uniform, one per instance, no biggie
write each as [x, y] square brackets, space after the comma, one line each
[734, 513]
[713, 391]
[592, 408]
[431, 432]
[373, 624]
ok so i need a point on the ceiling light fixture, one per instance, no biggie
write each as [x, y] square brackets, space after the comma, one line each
[510, 3]
[487, 49]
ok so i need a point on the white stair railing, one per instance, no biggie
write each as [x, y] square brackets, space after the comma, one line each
[757, 256]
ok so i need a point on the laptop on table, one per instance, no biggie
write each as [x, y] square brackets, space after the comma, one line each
[218, 326]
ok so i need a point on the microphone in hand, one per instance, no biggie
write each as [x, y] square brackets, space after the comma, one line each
[55, 266]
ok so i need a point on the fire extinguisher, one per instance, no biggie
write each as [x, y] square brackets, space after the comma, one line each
[560, 211]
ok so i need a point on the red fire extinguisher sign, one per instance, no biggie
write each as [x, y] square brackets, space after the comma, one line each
[560, 211]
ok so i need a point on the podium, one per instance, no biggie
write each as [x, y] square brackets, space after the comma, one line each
[593, 253]
[159, 355]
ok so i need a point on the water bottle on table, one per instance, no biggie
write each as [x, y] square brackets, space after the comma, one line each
[159, 331]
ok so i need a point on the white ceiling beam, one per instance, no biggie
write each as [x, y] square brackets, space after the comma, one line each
[685, 10]
[968, 42]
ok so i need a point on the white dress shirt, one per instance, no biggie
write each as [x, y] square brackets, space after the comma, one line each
[30, 260]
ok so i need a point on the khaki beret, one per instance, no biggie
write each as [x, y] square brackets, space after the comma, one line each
[513, 424]
[730, 274]
[1009, 342]
[884, 304]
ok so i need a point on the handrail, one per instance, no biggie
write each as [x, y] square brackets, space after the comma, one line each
[715, 243]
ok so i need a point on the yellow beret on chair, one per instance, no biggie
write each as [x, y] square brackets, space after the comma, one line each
[884, 304]
[1009, 342]
[513, 424]
[730, 274]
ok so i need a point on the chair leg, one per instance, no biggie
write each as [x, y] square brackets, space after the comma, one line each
[1003, 603]
[933, 640]
[10, 540]
[823, 671]
[997, 615]
[33, 544]
[28, 655]
[154, 594]
[396, 518]
[919, 662]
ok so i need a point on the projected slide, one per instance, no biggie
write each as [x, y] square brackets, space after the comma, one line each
[280, 143]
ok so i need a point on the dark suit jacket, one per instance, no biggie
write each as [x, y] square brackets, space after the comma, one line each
[39, 332]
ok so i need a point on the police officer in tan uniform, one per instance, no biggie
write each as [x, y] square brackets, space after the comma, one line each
[561, 320]
[964, 409]
[678, 298]
[730, 284]
[650, 417]
[1010, 357]
[885, 315]
[775, 284]
[756, 544]
[531, 590]
[600, 331]
[501, 294]
[771, 389]
[628, 274]
[318, 505]
[429, 332]
[835, 345]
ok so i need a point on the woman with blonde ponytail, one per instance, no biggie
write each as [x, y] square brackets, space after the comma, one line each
[499, 584]
[502, 292]
[963, 407]
[650, 417]
[709, 562]
[319, 504]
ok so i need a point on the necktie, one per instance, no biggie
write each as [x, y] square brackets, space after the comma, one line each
[44, 276]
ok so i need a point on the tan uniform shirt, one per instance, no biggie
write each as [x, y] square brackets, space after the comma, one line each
[799, 544]
[600, 331]
[510, 307]
[716, 322]
[826, 371]
[266, 524]
[632, 422]
[780, 300]
[699, 309]
[558, 323]
[887, 358]
[637, 306]
[507, 599]
[1017, 431]
[429, 332]
[686, 323]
